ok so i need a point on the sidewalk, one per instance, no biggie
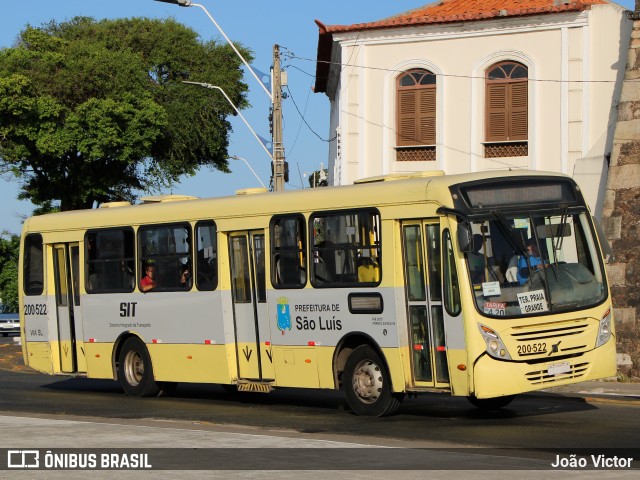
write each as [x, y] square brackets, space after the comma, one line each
[45, 445]
[612, 390]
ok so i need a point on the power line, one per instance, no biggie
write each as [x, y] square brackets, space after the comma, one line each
[295, 141]
[292, 56]
[446, 75]
[288, 65]
[305, 121]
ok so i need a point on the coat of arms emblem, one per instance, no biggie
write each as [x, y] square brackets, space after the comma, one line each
[284, 315]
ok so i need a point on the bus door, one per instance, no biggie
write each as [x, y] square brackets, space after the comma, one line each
[422, 266]
[66, 265]
[247, 251]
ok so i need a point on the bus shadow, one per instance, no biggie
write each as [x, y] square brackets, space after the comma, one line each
[286, 397]
[526, 405]
[428, 405]
[89, 385]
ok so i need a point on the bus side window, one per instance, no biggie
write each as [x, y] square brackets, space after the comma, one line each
[346, 248]
[33, 265]
[451, 285]
[110, 264]
[207, 256]
[288, 251]
[168, 249]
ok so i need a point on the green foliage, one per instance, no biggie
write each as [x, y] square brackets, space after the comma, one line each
[319, 178]
[9, 247]
[91, 111]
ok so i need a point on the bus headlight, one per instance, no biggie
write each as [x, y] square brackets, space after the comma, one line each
[604, 332]
[495, 347]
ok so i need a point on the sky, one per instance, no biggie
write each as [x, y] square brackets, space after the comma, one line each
[256, 24]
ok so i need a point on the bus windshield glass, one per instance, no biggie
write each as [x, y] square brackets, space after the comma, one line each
[527, 264]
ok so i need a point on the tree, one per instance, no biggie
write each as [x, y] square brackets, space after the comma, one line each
[9, 247]
[319, 178]
[93, 111]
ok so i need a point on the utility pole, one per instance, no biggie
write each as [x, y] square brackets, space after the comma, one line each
[278, 178]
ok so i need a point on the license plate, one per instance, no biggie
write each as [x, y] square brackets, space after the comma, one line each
[559, 368]
[532, 348]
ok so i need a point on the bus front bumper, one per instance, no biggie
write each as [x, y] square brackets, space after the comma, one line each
[495, 378]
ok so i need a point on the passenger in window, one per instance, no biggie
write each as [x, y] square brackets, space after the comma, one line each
[148, 282]
[368, 268]
[185, 276]
[535, 262]
[512, 271]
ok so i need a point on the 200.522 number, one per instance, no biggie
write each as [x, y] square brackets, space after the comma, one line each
[531, 348]
[35, 309]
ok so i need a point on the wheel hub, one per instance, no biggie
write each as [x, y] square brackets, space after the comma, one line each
[367, 381]
[133, 368]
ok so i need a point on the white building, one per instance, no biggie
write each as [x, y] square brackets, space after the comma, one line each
[464, 86]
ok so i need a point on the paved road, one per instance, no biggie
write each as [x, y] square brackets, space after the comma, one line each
[38, 411]
[541, 420]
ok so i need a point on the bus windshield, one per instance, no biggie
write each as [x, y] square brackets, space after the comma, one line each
[526, 264]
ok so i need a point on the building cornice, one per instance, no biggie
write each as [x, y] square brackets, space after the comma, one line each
[498, 26]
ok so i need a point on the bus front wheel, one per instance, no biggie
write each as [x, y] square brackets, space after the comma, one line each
[367, 384]
[135, 372]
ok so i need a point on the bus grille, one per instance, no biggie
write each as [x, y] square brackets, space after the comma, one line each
[570, 338]
[539, 377]
[551, 331]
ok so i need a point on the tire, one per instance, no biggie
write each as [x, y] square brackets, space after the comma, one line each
[135, 372]
[367, 385]
[490, 404]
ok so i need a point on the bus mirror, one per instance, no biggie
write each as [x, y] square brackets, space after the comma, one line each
[465, 239]
[607, 251]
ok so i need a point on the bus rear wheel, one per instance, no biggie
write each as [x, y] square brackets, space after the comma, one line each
[135, 372]
[367, 384]
[489, 404]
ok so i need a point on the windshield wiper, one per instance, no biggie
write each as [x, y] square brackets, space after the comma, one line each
[556, 232]
[513, 238]
[508, 232]
[559, 238]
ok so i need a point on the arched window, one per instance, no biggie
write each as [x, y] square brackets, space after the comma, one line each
[416, 115]
[506, 116]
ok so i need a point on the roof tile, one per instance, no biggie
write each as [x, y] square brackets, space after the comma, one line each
[446, 11]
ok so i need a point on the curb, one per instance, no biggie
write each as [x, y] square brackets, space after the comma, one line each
[628, 393]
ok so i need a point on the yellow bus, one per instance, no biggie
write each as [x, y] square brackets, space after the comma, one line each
[482, 285]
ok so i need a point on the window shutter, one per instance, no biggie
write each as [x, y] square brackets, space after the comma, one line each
[416, 109]
[518, 124]
[407, 131]
[497, 126]
[427, 116]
